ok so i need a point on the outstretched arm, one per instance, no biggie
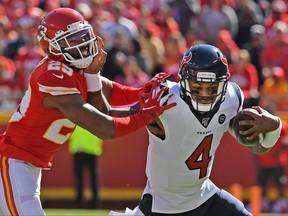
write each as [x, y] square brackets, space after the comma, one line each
[115, 93]
[103, 126]
[119, 95]
[97, 86]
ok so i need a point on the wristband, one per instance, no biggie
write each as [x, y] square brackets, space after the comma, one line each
[93, 82]
[123, 95]
[271, 138]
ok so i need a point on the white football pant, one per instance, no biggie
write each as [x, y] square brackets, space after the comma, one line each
[19, 188]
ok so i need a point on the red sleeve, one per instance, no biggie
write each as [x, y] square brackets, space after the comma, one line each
[123, 95]
[132, 123]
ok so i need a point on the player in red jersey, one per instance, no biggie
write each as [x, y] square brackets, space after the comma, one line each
[63, 91]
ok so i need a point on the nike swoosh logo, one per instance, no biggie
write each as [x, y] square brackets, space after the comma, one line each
[149, 108]
[58, 76]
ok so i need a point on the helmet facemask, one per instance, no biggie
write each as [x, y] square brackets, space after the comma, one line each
[77, 45]
[212, 101]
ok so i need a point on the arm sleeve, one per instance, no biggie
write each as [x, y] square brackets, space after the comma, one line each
[132, 123]
[123, 95]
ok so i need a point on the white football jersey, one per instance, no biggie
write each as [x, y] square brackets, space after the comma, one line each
[178, 168]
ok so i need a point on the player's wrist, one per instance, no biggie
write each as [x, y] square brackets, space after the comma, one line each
[126, 125]
[271, 138]
[93, 82]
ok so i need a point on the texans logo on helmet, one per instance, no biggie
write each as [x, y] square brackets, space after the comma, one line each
[224, 60]
[186, 59]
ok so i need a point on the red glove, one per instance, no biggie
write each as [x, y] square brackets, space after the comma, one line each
[154, 105]
[125, 95]
[157, 80]
[150, 108]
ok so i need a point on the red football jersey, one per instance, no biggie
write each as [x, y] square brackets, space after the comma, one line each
[35, 133]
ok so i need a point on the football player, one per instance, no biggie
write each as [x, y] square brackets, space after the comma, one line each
[184, 139]
[63, 91]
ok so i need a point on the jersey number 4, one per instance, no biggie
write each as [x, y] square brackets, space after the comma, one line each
[200, 158]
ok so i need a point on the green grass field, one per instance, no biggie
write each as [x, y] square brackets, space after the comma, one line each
[76, 212]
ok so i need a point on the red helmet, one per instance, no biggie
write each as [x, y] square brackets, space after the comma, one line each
[66, 36]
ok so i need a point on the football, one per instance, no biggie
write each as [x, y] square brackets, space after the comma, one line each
[236, 128]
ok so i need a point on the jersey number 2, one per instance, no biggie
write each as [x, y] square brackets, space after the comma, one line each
[200, 158]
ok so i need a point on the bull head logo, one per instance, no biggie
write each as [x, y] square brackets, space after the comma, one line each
[186, 59]
[224, 60]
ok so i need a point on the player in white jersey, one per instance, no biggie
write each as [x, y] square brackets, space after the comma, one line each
[184, 139]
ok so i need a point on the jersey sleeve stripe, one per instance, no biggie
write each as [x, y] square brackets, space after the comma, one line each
[58, 90]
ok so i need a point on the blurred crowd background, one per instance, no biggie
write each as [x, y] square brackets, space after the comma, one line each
[145, 37]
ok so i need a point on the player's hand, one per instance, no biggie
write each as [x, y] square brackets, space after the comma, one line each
[154, 105]
[153, 83]
[99, 60]
[263, 122]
